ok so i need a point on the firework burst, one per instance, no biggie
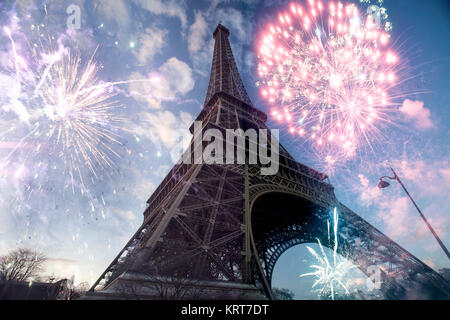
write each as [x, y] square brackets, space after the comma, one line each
[328, 73]
[63, 113]
[80, 115]
[329, 275]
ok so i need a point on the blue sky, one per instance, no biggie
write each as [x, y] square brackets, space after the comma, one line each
[171, 42]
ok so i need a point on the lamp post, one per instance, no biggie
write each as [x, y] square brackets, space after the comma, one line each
[383, 184]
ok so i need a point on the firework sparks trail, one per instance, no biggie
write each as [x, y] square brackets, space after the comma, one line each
[16, 64]
[68, 114]
[329, 275]
[61, 129]
[328, 73]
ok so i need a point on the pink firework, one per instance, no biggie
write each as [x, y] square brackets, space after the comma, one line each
[328, 71]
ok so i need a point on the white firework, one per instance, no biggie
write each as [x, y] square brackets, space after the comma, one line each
[329, 275]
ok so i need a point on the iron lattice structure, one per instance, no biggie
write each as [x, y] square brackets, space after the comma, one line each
[216, 231]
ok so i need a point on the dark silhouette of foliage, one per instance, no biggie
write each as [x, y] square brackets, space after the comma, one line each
[21, 265]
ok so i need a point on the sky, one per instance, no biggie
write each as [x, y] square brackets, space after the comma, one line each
[158, 54]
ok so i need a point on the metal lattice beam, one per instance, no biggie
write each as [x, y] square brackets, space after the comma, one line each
[203, 222]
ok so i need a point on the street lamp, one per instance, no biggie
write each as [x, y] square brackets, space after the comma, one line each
[383, 184]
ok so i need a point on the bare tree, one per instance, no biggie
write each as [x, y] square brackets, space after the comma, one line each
[177, 288]
[161, 288]
[21, 265]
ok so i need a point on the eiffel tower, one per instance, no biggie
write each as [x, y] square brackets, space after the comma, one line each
[216, 231]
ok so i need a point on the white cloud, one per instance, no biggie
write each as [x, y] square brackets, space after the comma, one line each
[83, 39]
[25, 5]
[402, 220]
[167, 7]
[445, 173]
[63, 269]
[180, 73]
[428, 182]
[235, 21]
[162, 171]
[127, 215]
[143, 188]
[201, 42]
[164, 128]
[198, 33]
[368, 194]
[116, 11]
[416, 112]
[432, 176]
[396, 215]
[438, 222]
[151, 43]
[173, 79]
[10, 92]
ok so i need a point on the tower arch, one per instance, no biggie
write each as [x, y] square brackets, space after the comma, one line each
[282, 219]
